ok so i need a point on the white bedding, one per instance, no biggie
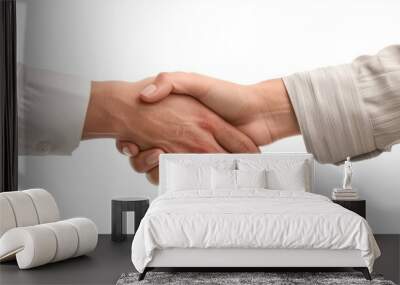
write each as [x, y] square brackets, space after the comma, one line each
[251, 218]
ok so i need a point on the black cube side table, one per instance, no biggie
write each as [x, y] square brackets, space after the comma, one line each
[357, 206]
[119, 207]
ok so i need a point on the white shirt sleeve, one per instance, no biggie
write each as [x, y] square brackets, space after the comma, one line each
[51, 111]
[349, 110]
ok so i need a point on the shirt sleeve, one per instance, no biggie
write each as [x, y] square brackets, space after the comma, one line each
[51, 111]
[349, 110]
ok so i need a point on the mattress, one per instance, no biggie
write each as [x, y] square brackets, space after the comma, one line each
[252, 219]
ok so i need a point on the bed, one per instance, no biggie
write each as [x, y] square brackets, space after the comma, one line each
[247, 211]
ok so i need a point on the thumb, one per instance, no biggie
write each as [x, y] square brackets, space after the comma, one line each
[191, 84]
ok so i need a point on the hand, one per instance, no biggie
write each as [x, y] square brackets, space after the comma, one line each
[262, 111]
[176, 124]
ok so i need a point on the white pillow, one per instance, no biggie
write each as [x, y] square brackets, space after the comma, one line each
[223, 179]
[251, 178]
[293, 179]
[227, 179]
[183, 177]
[283, 174]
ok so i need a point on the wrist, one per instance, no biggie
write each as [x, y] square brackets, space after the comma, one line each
[276, 109]
[99, 120]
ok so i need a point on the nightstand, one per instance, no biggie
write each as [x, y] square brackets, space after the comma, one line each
[119, 207]
[357, 206]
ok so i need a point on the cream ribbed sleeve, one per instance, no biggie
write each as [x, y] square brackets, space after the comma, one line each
[349, 110]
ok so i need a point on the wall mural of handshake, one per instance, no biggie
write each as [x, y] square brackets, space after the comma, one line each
[182, 112]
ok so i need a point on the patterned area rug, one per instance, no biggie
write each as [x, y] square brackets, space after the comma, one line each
[268, 278]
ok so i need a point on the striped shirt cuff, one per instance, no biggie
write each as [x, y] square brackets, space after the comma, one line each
[330, 112]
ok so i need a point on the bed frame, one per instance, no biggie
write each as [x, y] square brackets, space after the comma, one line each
[246, 259]
[234, 259]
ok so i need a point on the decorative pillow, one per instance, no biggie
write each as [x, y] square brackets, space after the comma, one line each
[181, 177]
[223, 179]
[251, 178]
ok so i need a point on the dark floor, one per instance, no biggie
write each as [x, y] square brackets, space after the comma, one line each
[103, 266]
[110, 259]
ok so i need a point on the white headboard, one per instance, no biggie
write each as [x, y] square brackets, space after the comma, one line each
[214, 158]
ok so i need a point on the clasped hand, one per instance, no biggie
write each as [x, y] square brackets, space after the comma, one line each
[188, 113]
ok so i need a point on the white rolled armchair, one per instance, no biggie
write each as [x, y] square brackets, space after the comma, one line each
[31, 230]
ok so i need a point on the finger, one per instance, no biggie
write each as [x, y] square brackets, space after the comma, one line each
[199, 139]
[165, 83]
[221, 96]
[232, 139]
[146, 160]
[127, 148]
[208, 144]
[235, 141]
[153, 176]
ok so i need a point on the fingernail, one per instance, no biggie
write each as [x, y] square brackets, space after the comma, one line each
[126, 151]
[148, 90]
[152, 159]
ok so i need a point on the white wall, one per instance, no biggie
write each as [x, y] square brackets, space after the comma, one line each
[242, 41]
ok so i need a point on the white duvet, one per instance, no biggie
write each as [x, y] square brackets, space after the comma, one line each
[252, 218]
